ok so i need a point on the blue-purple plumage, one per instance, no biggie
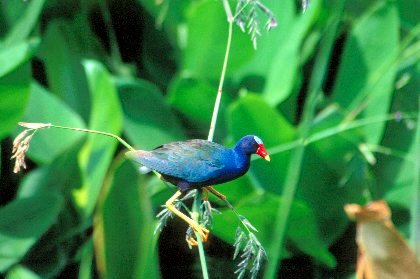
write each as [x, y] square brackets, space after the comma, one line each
[199, 163]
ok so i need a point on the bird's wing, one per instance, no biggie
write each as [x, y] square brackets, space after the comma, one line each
[193, 161]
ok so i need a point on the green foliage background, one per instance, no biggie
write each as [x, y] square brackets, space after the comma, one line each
[150, 73]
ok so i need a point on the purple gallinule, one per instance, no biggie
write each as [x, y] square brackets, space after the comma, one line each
[197, 163]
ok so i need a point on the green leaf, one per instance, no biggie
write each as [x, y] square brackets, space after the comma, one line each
[252, 115]
[49, 256]
[21, 272]
[303, 231]
[14, 93]
[22, 222]
[124, 239]
[148, 121]
[333, 174]
[286, 60]
[22, 29]
[278, 57]
[394, 172]
[86, 261]
[367, 69]
[61, 175]
[64, 47]
[46, 108]
[205, 48]
[96, 154]
[21, 53]
[193, 98]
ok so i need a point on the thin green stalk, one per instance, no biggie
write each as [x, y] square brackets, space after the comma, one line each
[123, 142]
[364, 98]
[41, 126]
[340, 128]
[222, 79]
[295, 165]
[197, 199]
[195, 215]
[415, 207]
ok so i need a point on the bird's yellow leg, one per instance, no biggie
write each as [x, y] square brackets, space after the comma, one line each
[206, 194]
[219, 195]
[203, 232]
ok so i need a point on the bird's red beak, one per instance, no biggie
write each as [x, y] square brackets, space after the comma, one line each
[262, 152]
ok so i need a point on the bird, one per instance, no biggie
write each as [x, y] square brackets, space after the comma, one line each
[197, 164]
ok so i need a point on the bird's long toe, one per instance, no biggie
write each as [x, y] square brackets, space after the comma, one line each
[203, 232]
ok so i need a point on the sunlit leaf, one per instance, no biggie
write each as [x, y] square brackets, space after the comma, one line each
[124, 232]
[45, 107]
[96, 154]
[206, 41]
[14, 94]
[148, 121]
[28, 19]
[372, 49]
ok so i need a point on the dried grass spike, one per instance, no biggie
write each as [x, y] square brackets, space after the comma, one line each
[34, 126]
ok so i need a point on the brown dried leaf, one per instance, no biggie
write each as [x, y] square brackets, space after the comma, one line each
[34, 125]
[383, 252]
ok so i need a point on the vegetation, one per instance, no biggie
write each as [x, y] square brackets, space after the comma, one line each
[332, 91]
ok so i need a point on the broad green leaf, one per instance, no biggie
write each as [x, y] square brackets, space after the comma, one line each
[63, 67]
[148, 121]
[56, 249]
[252, 115]
[367, 69]
[22, 222]
[303, 230]
[193, 98]
[409, 16]
[207, 29]
[394, 171]
[61, 175]
[278, 56]
[65, 45]
[21, 52]
[21, 272]
[22, 29]
[234, 190]
[97, 152]
[333, 174]
[46, 108]
[14, 93]
[124, 242]
[259, 64]
[286, 60]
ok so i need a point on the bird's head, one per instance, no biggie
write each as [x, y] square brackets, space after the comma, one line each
[253, 145]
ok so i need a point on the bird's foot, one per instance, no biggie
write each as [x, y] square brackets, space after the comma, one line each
[203, 232]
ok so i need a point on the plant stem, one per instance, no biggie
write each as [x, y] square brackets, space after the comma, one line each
[295, 165]
[195, 210]
[222, 79]
[415, 207]
[340, 128]
[197, 199]
[123, 142]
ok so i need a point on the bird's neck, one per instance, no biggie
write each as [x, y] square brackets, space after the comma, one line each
[242, 159]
